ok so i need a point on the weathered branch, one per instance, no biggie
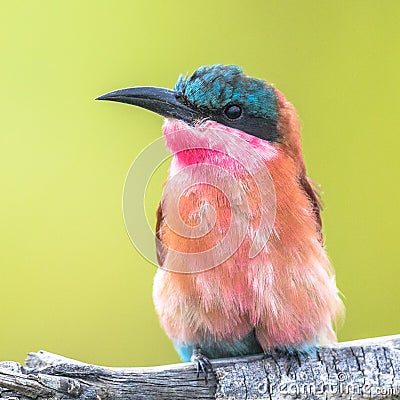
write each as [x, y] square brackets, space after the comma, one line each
[367, 368]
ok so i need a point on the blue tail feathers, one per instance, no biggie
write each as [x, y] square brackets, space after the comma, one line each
[245, 346]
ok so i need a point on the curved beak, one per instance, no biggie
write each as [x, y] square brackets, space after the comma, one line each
[159, 100]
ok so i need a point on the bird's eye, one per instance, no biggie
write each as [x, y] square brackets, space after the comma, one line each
[233, 111]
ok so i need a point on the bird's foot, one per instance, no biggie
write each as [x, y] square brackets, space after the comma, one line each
[295, 355]
[202, 363]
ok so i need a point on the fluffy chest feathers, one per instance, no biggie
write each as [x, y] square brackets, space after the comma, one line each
[254, 248]
[219, 196]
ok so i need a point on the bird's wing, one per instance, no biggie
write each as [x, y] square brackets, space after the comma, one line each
[159, 225]
[311, 189]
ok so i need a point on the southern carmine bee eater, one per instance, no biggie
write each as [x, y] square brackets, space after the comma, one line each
[237, 172]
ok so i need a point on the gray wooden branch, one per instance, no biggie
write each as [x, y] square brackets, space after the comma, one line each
[367, 368]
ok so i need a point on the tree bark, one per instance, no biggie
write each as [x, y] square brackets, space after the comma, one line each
[368, 368]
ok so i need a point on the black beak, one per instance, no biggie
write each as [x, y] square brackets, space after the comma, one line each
[162, 101]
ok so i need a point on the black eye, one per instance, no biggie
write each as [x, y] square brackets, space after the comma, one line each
[233, 111]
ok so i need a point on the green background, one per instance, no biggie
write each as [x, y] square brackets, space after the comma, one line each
[71, 281]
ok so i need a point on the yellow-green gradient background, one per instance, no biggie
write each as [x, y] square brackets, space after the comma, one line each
[71, 281]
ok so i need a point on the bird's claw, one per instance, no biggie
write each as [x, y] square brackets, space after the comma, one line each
[202, 363]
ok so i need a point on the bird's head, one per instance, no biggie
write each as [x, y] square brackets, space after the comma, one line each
[222, 93]
[220, 97]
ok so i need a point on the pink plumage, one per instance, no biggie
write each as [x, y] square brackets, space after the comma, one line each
[287, 292]
[243, 267]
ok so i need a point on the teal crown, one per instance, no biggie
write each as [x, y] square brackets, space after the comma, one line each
[213, 87]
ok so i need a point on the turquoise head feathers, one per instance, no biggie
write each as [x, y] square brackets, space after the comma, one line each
[214, 87]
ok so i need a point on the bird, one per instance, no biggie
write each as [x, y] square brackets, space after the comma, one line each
[242, 262]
